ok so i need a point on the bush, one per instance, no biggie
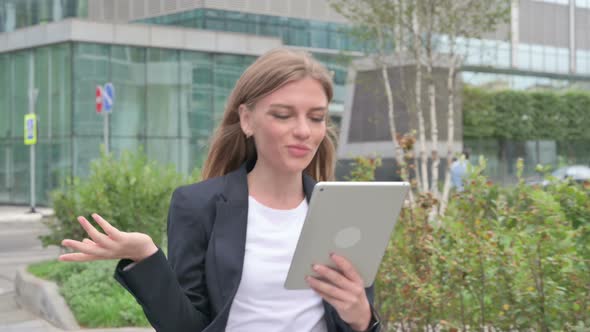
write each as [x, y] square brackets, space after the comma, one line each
[515, 258]
[577, 113]
[89, 290]
[132, 193]
[363, 169]
[479, 114]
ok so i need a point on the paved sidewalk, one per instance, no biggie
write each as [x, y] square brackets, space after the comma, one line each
[20, 246]
[22, 214]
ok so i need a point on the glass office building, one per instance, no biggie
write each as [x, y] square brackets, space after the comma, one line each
[18, 14]
[292, 31]
[166, 101]
[173, 64]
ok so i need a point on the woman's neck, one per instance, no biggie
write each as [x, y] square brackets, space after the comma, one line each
[274, 189]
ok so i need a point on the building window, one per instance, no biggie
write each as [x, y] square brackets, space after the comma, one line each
[563, 60]
[504, 58]
[524, 56]
[583, 62]
[215, 20]
[558, 2]
[536, 53]
[16, 14]
[298, 34]
[318, 35]
[292, 31]
[543, 58]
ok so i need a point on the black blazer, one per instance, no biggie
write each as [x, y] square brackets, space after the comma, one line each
[194, 289]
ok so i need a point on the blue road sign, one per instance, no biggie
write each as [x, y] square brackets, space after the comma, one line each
[108, 97]
[30, 128]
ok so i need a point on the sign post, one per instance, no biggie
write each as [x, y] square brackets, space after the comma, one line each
[31, 141]
[99, 108]
[108, 99]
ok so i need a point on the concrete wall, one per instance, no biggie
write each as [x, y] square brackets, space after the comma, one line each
[365, 124]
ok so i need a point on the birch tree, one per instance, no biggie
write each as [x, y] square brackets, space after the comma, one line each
[464, 19]
[417, 27]
[380, 19]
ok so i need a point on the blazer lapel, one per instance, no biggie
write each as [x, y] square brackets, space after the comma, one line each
[230, 232]
[308, 184]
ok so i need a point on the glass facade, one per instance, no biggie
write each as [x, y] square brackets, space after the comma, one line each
[583, 62]
[543, 58]
[292, 31]
[513, 81]
[558, 2]
[52, 77]
[338, 66]
[167, 101]
[502, 156]
[495, 53]
[16, 14]
[583, 3]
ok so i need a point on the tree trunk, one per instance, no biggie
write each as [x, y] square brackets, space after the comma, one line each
[430, 15]
[419, 111]
[433, 133]
[451, 133]
[433, 123]
[390, 114]
[398, 152]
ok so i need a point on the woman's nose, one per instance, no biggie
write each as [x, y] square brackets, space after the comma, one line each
[302, 129]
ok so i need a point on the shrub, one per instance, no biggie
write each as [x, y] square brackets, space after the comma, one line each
[132, 193]
[363, 169]
[89, 290]
[512, 258]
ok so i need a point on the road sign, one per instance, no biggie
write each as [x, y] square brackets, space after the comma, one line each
[30, 129]
[108, 97]
[98, 99]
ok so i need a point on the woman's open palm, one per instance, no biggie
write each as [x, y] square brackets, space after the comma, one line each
[112, 244]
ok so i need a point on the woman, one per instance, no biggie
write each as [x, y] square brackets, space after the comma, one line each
[232, 236]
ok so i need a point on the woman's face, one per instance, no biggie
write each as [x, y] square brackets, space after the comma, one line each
[288, 125]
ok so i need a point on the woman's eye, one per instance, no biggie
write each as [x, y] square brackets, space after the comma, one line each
[281, 116]
[317, 119]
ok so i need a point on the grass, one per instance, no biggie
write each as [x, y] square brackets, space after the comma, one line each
[92, 294]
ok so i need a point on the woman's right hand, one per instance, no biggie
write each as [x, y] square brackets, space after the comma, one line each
[114, 244]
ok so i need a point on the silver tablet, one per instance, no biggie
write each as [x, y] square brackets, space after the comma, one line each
[352, 219]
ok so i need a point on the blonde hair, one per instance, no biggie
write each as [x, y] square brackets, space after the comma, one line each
[230, 148]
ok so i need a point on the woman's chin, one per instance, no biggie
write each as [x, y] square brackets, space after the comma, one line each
[296, 165]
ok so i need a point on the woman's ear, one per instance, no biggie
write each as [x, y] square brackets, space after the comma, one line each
[245, 118]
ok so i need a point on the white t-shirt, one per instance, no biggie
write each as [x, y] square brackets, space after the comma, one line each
[262, 303]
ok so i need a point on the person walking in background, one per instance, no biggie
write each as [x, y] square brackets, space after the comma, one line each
[459, 171]
[232, 236]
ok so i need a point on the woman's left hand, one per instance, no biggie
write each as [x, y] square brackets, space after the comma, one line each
[344, 290]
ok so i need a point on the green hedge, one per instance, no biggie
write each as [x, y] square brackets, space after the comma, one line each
[523, 115]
